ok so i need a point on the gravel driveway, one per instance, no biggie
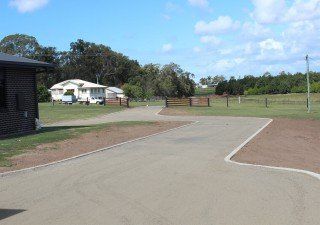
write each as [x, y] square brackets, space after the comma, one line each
[178, 178]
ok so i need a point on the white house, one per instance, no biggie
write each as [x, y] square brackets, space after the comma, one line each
[84, 90]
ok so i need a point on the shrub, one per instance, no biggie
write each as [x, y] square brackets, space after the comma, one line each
[43, 94]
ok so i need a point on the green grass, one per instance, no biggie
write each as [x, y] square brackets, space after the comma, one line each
[286, 97]
[19, 144]
[295, 107]
[58, 112]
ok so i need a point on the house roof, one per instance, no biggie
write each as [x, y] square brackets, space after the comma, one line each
[115, 90]
[11, 60]
[81, 83]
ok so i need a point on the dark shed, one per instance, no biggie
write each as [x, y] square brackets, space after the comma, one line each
[18, 94]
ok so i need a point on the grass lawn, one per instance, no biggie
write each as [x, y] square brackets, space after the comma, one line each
[286, 97]
[257, 108]
[58, 112]
[18, 145]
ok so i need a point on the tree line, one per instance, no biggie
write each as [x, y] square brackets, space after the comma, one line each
[284, 83]
[99, 63]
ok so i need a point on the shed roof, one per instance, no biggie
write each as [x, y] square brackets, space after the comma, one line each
[11, 60]
[115, 90]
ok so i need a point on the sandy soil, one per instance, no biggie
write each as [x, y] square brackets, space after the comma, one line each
[85, 143]
[285, 143]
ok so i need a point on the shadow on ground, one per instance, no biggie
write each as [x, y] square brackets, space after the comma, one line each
[6, 213]
[42, 131]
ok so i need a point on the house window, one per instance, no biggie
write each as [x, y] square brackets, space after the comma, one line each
[84, 91]
[2, 90]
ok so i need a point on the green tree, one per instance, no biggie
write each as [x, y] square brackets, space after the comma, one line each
[20, 44]
[132, 91]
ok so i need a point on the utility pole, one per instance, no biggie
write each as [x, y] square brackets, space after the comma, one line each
[97, 76]
[308, 81]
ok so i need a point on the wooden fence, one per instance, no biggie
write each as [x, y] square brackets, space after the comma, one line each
[192, 102]
[117, 102]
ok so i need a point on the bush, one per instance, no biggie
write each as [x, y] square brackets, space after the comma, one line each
[299, 89]
[315, 87]
[43, 94]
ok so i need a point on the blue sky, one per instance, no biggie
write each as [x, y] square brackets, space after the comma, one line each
[206, 37]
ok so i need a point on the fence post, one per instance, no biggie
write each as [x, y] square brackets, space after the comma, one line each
[190, 102]
[128, 103]
[87, 102]
[104, 101]
[120, 102]
[266, 102]
[166, 102]
[228, 101]
[239, 99]
[208, 102]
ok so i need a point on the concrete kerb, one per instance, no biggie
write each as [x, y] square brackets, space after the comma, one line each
[35, 168]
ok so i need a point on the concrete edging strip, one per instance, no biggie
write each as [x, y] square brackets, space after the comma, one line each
[5, 174]
[234, 152]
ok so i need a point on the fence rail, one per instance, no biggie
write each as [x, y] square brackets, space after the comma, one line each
[192, 102]
[117, 102]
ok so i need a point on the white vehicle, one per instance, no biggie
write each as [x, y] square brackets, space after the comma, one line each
[94, 100]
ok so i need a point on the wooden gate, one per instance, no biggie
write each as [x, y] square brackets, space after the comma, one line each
[192, 102]
[117, 102]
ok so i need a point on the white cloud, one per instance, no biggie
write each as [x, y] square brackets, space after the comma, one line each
[203, 4]
[167, 48]
[303, 10]
[277, 11]
[172, 7]
[212, 40]
[197, 49]
[268, 11]
[225, 65]
[255, 31]
[270, 44]
[24, 6]
[166, 16]
[227, 51]
[223, 24]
